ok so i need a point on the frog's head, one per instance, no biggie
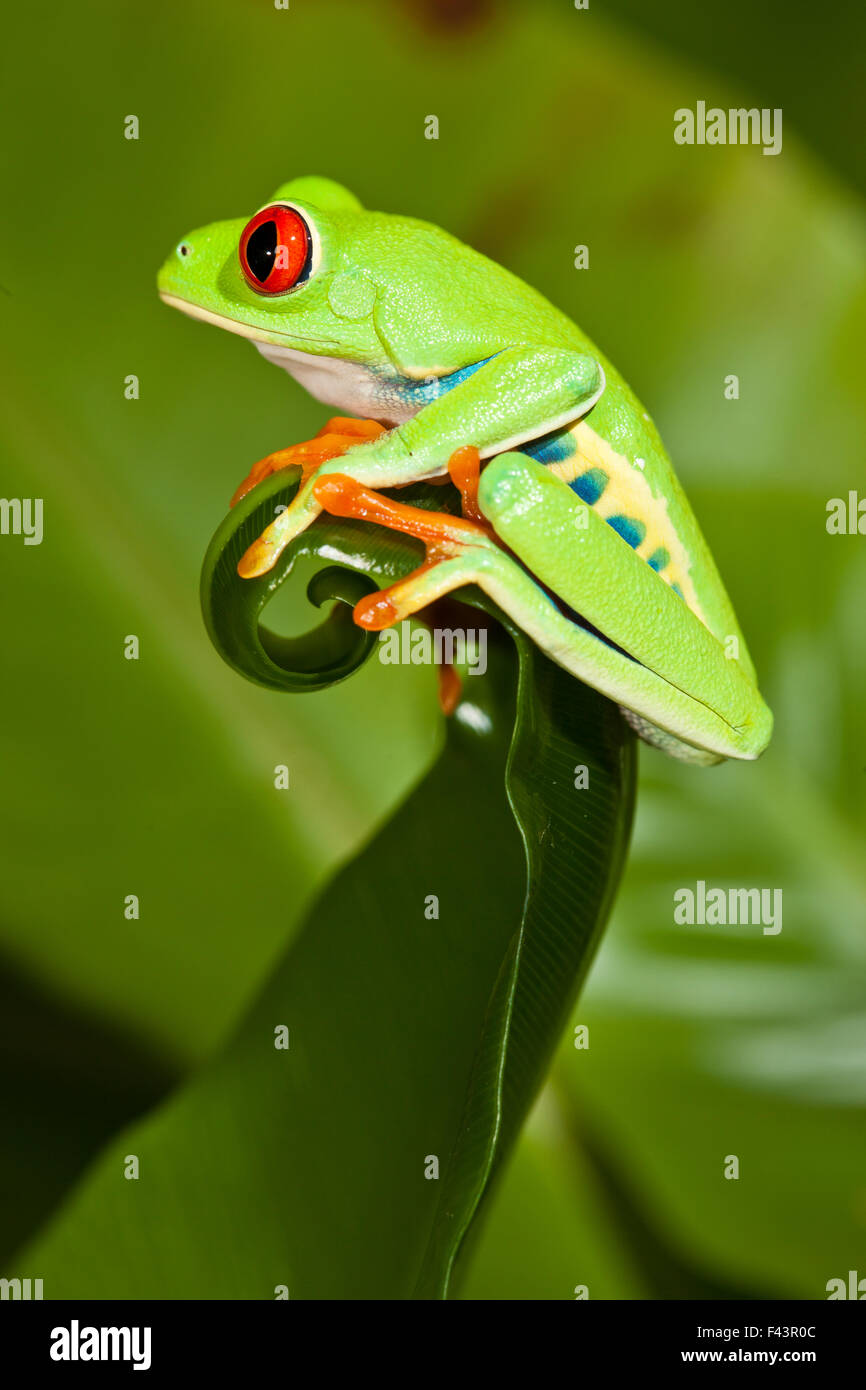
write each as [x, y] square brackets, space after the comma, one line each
[282, 277]
[313, 272]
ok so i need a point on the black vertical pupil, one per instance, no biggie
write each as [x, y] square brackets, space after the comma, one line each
[261, 250]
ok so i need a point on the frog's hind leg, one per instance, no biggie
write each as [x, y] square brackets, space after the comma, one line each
[457, 549]
[636, 639]
[455, 552]
[454, 546]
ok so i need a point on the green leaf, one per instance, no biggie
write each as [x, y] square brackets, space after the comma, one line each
[232, 608]
[411, 1037]
[68, 1081]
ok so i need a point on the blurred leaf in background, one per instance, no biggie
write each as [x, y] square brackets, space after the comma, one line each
[154, 777]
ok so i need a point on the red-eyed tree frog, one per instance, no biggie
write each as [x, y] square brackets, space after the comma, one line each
[576, 526]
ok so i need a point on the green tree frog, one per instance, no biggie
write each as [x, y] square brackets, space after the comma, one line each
[577, 526]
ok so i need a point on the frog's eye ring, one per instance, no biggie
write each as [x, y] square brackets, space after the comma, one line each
[276, 250]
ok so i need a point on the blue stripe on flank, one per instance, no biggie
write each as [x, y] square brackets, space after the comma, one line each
[677, 590]
[590, 485]
[446, 383]
[551, 448]
[421, 393]
[631, 530]
[659, 560]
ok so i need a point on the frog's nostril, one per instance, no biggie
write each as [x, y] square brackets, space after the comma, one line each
[184, 250]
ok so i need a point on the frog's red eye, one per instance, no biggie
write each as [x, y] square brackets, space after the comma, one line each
[275, 250]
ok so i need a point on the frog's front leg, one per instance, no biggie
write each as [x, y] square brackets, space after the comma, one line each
[338, 434]
[520, 394]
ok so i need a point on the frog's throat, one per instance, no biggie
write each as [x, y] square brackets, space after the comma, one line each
[335, 381]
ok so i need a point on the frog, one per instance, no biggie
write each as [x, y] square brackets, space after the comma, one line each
[447, 367]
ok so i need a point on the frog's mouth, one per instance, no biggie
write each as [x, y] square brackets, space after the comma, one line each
[285, 342]
[195, 311]
[243, 330]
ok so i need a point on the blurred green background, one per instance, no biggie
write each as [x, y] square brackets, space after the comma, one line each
[154, 777]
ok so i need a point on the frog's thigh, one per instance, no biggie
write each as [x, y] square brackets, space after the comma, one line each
[671, 671]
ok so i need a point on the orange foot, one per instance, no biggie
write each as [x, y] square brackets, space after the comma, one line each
[444, 538]
[464, 470]
[333, 439]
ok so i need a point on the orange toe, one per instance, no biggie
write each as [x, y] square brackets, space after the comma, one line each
[338, 435]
